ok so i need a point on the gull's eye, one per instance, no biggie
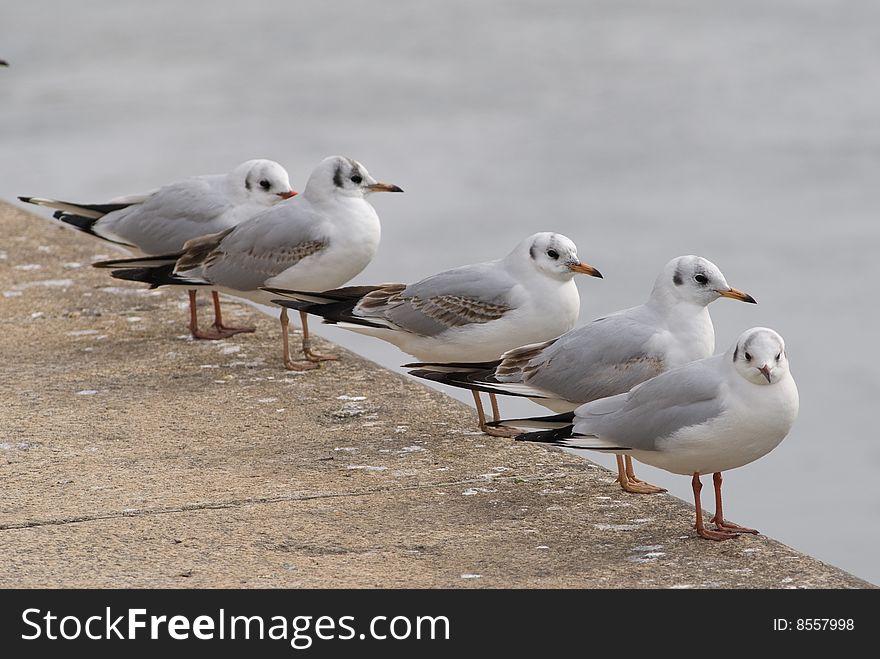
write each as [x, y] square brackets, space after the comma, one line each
[357, 179]
[553, 254]
[779, 356]
[700, 278]
[748, 357]
[265, 184]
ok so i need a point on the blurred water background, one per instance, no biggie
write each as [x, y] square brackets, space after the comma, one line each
[747, 132]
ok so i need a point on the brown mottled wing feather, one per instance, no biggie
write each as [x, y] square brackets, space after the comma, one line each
[199, 250]
[472, 294]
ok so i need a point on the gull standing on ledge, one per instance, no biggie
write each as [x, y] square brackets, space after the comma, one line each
[470, 313]
[318, 240]
[708, 416]
[163, 220]
[609, 355]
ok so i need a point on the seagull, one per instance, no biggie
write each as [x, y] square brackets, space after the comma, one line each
[161, 221]
[608, 356]
[315, 241]
[709, 416]
[471, 313]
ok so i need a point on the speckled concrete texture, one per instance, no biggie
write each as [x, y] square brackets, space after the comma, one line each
[131, 455]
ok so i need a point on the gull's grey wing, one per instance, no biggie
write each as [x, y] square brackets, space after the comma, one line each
[170, 216]
[605, 357]
[263, 247]
[471, 294]
[654, 410]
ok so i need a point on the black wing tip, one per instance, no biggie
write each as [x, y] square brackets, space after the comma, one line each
[291, 304]
[27, 200]
[553, 436]
[434, 376]
[563, 417]
[278, 291]
[465, 366]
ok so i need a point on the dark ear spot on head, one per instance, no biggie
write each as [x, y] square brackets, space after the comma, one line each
[735, 353]
[532, 251]
[247, 183]
[677, 279]
[337, 176]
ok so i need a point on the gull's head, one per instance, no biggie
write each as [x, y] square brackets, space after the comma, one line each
[553, 255]
[759, 356]
[696, 280]
[262, 181]
[338, 176]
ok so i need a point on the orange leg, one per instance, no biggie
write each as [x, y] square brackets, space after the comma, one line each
[629, 482]
[307, 342]
[218, 320]
[493, 431]
[289, 364]
[631, 477]
[702, 531]
[194, 322]
[720, 523]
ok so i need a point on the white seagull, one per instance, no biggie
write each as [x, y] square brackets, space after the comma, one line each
[162, 221]
[318, 240]
[470, 313]
[610, 355]
[709, 416]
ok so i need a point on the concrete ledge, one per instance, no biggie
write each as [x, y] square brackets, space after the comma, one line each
[133, 456]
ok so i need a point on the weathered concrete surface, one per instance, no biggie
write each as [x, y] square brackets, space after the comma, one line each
[133, 456]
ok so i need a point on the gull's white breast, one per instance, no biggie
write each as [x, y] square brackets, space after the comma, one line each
[756, 419]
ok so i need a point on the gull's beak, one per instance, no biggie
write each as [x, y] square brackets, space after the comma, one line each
[383, 187]
[584, 269]
[737, 295]
[287, 195]
[765, 370]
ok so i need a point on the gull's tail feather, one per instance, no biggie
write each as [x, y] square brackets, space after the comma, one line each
[555, 436]
[323, 297]
[335, 307]
[453, 367]
[161, 275]
[145, 262]
[471, 376]
[562, 435]
[554, 422]
[80, 216]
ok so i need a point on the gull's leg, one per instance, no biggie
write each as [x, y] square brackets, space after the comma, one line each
[307, 342]
[496, 415]
[720, 523]
[702, 531]
[218, 320]
[628, 461]
[628, 481]
[481, 416]
[285, 347]
[494, 431]
[194, 321]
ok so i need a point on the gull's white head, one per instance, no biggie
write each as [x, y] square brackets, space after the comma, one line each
[696, 280]
[263, 181]
[759, 356]
[338, 176]
[553, 255]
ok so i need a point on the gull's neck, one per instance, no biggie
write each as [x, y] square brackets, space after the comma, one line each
[689, 321]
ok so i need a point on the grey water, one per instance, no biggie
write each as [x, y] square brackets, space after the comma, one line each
[747, 132]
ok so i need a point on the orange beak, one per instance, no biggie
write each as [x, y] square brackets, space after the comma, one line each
[384, 187]
[585, 269]
[287, 195]
[737, 295]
